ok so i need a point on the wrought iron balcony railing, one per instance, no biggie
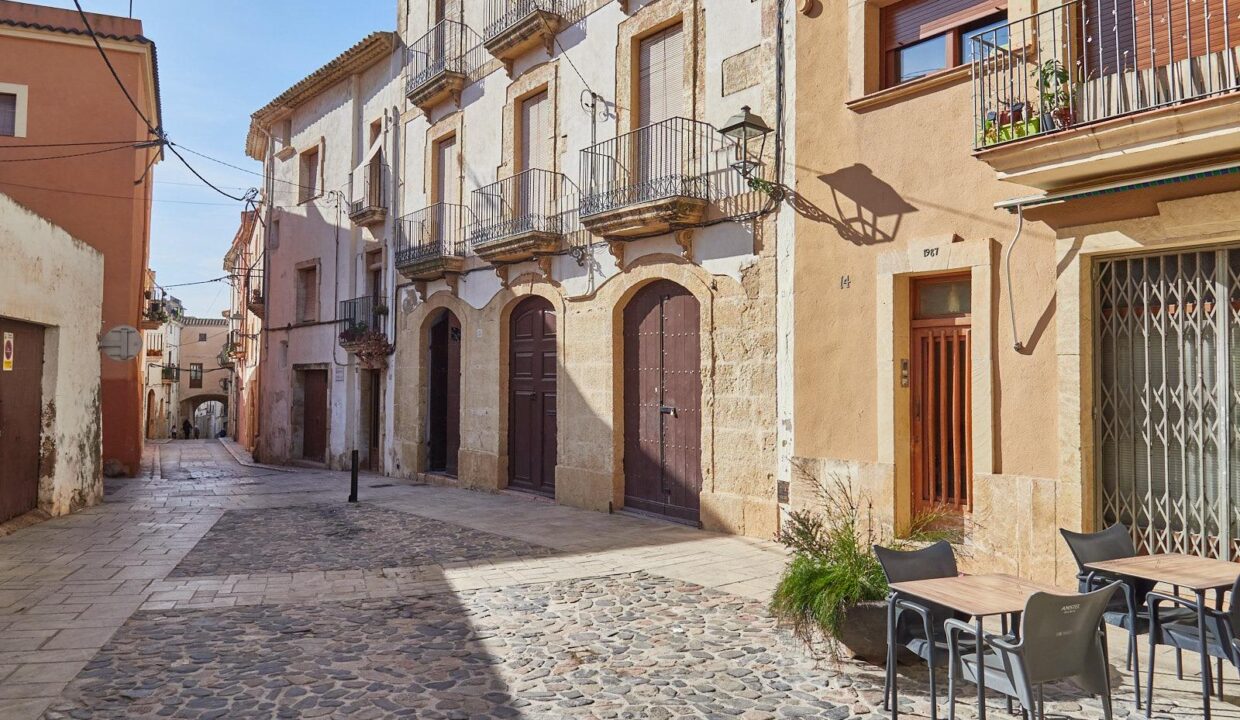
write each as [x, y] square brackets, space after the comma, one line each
[361, 316]
[170, 373]
[448, 47]
[1090, 60]
[505, 14]
[435, 231]
[678, 157]
[530, 202]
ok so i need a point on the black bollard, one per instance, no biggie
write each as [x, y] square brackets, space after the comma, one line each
[353, 478]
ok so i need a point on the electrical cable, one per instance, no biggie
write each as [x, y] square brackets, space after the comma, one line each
[250, 193]
[71, 155]
[24, 146]
[91, 31]
[105, 195]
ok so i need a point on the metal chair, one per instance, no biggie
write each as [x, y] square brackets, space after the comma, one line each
[1127, 609]
[916, 625]
[1062, 638]
[1171, 627]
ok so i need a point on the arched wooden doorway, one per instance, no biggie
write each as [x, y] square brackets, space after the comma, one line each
[662, 402]
[152, 420]
[443, 437]
[531, 396]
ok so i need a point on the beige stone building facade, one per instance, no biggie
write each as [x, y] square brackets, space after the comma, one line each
[596, 332]
[1016, 272]
[540, 244]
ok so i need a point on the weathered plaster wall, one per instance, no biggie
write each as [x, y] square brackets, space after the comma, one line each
[37, 256]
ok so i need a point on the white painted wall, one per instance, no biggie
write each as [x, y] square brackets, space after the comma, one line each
[39, 257]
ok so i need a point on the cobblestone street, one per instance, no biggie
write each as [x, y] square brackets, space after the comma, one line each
[208, 588]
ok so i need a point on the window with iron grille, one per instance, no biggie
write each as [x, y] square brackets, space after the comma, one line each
[1167, 351]
[195, 375]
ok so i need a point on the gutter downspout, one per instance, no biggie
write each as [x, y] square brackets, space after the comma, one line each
[1007, 270]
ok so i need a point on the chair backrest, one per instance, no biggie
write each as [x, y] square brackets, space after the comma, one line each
[1060, 637]
[1111, 544]
[933, 561]
[1233, 610]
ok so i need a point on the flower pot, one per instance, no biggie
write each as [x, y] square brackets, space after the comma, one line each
[1063, 117]
[864, 634]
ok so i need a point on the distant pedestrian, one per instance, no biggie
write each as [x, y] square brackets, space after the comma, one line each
[195, 432]
[186, 428]
[173, 432]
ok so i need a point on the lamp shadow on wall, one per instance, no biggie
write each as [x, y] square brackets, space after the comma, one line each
[867, 210]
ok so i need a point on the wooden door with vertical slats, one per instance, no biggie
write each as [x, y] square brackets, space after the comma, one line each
[942, 424]
[21, 418]
[662, 402]
[531, 397]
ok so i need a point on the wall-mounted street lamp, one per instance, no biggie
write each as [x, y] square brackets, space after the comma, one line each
[745, 127]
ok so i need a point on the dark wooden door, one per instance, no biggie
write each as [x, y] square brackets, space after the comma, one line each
[662, 402]
[444, 411]
[531, 397]
[373, 429]
[21, 402]
[314, 415]
[940, 386]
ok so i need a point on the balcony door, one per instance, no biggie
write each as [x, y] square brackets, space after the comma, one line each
[446, 193]
[660, 96]
[536, 148]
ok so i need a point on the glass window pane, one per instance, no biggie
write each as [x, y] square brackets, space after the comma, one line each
[921, 58]
[940, 299]
[993, 34]
[8, 114]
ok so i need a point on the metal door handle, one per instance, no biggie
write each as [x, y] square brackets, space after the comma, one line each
[667, 410]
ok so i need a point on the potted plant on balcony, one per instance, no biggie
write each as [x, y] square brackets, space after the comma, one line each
[1009, 123]
[381, 309]
[833, 592]
[372, 350]
[1056, 91]
[352, 334]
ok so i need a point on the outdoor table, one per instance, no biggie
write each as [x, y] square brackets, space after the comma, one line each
[1195, 573]
[980, 596]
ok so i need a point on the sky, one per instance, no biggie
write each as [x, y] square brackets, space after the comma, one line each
[219, 61]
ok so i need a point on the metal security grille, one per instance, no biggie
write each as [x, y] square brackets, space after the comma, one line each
[1168, 399]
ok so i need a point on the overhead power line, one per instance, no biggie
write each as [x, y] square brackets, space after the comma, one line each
[131, 146]
[91, 31]
[23, 146]
[105, 195]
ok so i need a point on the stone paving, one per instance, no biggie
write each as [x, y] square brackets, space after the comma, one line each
[192, 593]
[338, 537]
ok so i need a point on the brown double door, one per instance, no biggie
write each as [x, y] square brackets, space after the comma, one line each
[662, 402]
[531, 397]
[444, 401]
[21, 402]
[941, 392]
[314, 418]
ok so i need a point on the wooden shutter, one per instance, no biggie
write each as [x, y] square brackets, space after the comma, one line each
[661, 77]
[536, 129]
[447, 172]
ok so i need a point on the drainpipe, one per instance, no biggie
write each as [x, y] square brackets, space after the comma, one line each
[1007, 269]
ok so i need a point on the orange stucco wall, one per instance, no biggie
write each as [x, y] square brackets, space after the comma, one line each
[73, 99]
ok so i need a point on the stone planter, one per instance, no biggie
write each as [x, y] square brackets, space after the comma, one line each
[864, 635]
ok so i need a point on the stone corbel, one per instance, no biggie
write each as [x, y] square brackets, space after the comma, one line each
[544, 265]
[451, 279]
[616, 248]
[508, 68]
[501, 272]
[419, 288]
[684, 238]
